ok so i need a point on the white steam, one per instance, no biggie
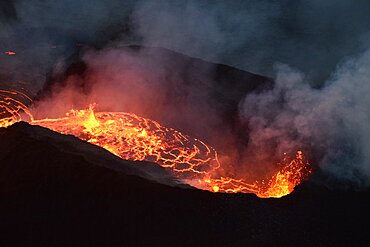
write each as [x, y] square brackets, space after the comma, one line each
[333, 122]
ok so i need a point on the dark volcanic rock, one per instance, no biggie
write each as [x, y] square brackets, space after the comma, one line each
[38, 143]
[58, 191]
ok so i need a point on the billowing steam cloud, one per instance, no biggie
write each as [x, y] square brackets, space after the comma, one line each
[332, 121]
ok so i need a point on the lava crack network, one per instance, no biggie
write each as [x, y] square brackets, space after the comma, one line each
[13, 106]
[136, 138]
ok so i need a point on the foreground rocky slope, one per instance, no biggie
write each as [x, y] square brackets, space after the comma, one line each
[58, 191]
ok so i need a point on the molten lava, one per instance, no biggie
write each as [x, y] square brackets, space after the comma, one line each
[12, 107]
[136, 138]
[293, 172]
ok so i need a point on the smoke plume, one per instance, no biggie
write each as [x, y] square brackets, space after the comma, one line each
[332, 121]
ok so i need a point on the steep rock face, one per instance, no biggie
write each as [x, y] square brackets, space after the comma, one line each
[56, 190]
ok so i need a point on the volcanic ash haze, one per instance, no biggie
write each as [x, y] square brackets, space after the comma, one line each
[251, 35]
[330, 122]
[175, 90]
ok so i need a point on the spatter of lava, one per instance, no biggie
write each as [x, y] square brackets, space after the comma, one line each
[136, 138]
[12, 106]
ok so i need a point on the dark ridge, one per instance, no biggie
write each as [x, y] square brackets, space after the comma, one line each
[58, 191]
[226, 81]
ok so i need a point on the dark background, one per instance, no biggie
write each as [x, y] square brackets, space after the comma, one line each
[312, 36]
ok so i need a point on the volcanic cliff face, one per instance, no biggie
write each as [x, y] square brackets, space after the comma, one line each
[57, 190]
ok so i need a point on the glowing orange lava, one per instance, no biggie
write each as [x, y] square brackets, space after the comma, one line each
[136, 138]
[12, 107]
[293, 172]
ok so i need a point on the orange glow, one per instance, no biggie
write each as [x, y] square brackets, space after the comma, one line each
[12, 107]
[10, 53]
[293, 172]
[136, 138]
